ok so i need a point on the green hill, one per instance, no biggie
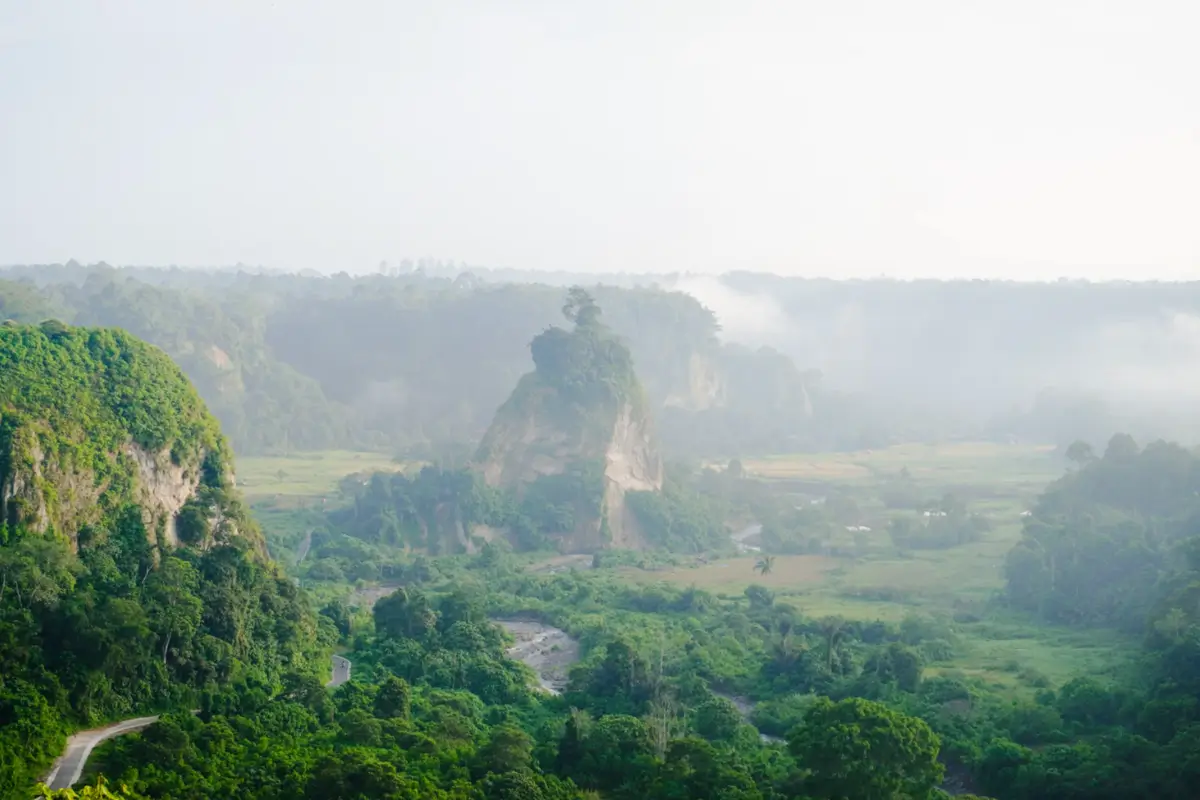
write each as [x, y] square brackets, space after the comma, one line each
[131, 578]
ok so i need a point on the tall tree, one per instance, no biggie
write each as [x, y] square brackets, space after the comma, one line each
[862, 750]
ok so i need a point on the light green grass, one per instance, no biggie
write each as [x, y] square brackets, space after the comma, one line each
[733, 575]
[307, 474]
[1014, 655]
[969, 463]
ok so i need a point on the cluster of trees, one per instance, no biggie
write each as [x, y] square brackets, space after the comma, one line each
[122, 629]
[587, 367]
[1114, 543]
[446, 511]
[1111, 540]
[681, 518]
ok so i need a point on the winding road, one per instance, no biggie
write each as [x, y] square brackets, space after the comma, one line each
[69, 766]
[341, 671]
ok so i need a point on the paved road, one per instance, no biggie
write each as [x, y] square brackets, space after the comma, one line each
[341, 671]
[69, 766]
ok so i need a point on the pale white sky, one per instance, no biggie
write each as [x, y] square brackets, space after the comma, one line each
[1026, 138]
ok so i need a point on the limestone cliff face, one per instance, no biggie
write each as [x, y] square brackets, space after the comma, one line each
[526, 443]
[41, 492]
[163, 488]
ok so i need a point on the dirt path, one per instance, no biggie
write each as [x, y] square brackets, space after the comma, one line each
[548, 651]
[341, 672]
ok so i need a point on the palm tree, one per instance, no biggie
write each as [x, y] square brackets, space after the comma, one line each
[765, 565]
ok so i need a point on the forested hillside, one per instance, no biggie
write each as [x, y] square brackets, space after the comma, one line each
[419, 360]
[132, 579]
[1116, 542]
[409, 362]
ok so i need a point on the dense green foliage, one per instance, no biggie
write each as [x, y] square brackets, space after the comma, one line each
[99, 618]
[1114, 542]
[434, 511]
[1106, 541]
[437, 711]
[105, 383]
[680, 518]
[451, 511]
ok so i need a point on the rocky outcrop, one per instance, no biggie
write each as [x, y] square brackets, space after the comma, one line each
[703, 388]
[576, 435]
[525, 444]
[163, 488]
[42, 492]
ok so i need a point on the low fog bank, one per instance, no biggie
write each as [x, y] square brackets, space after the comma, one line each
[1027, 360]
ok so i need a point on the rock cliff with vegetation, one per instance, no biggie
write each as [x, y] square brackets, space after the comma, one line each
[132, 579]
[580, 424]
[94, 420]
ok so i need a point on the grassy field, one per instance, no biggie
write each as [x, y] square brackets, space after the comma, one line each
[959, 463]
[957, 584]
[733, 575]
[306, 474]
[288, 494]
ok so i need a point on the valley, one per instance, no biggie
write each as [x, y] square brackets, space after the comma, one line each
[570, 608]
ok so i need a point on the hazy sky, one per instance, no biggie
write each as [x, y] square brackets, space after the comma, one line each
[1027, 138]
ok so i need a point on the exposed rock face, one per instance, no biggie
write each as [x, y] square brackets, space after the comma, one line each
[704, 387]
[21, 499]
[163, 488]
[526, 443]
[40, 492]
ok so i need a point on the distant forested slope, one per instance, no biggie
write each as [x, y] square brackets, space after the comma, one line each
[416, 360]
[410, 362]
